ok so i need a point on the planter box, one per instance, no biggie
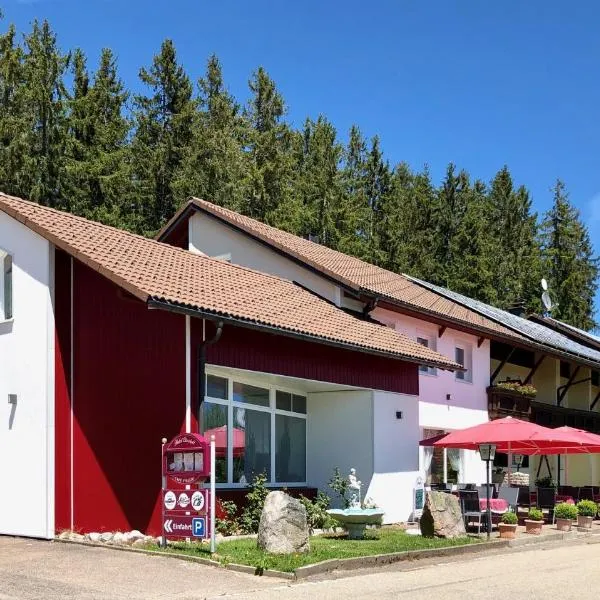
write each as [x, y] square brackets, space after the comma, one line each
[563, 524]
[507, 531]
[533, 527]
[585, 521]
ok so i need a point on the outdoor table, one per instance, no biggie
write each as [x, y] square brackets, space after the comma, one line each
[497, 505]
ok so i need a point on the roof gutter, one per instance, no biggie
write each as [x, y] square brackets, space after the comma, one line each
[154, 303]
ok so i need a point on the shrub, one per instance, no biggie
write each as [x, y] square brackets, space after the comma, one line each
[340, 485]
[227, 524]
[535, 514]
[545, 482]
[509, 518]
[255, 501]
[316, 511]
[565, 511]
[587, 508]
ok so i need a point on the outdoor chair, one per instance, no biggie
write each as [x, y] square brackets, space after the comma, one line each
[546, 500]
[482, 490]
[510, 494]
[523, 498]
[469, 503]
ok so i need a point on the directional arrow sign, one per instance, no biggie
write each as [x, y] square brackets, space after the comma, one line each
[178, 526]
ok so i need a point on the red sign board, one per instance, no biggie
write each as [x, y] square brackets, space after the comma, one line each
[186, 458]
[186, 526]
[194, 501]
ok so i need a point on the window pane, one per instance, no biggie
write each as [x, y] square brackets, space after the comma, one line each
[283, 400]
[214, 422]
[423, 342]
[8, 287]
[249, 394]
[216, 387]
[290, 453]
[299, 404]
[255, 455]
[460, 356]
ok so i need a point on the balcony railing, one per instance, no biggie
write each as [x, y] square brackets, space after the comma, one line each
[505, 403]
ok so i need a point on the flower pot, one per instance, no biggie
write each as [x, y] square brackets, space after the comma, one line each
[507, 531]
[585, 521]
[563, 524]
[533, 527]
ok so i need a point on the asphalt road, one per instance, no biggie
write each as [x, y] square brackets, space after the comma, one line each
[43, 570]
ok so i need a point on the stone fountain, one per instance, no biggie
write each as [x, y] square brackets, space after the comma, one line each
[355, 518]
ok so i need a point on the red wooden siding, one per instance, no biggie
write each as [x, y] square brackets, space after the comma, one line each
[62, 395]
[259, 351]
[129, 392]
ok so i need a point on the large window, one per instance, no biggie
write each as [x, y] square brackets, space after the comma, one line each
[442, 465]
[6, 295]
[257, 430]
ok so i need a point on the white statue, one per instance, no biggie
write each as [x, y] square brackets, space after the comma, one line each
[354, 486]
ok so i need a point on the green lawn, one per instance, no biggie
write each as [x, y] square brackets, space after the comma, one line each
[377, 541]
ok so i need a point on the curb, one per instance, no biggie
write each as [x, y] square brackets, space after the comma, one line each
[386, 559]
[249, 570]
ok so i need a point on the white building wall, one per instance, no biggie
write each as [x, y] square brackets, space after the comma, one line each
[396, 454]
[212, 237]
[27, 370]
[467, 401]
[339, 433]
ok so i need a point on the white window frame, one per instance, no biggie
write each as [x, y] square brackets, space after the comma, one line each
[231, 404]
[467, 375]
[461, 454]
[3, 317]
[431, 340]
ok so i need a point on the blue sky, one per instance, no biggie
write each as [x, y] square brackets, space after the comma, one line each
[477, 83]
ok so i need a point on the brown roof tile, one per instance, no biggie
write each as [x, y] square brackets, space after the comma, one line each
[357, 274]
[151, 270]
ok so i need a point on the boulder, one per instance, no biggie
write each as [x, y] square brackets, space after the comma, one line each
[106, 537]
[442, 516]
[283, 528]
[119, 538]
[94, 536]
[132, 536]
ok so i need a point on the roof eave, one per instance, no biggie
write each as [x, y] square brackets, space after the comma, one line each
[158, 303]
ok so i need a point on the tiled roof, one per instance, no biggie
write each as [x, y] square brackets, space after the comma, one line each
[153, 271]
[357, 274]
[536, 332]
[585, 337]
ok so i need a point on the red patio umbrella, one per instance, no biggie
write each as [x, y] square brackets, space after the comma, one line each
[511, 435]
[590, 440]
[220, 433]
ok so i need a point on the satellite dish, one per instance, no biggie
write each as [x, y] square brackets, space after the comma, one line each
[546, 300]
[544, 285]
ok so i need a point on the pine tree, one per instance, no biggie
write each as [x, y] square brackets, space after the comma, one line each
[569, 262]
[13, 125]
[319, 183]
[354, 217]
[97, 161]
[377, 186]
[163, 135]
[216, 166]
[271, 148]
[43, 101]
[514, 230]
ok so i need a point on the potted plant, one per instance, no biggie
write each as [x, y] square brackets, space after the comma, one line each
[534, 523]
[565, 515]
[586, 511]
[545, 482]
[517, 387]
[508, 525]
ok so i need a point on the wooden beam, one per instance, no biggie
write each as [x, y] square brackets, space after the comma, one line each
[595, 401]
[480, 341]
[501, 366]
[561, 391]
[536, 366]
[441, 331]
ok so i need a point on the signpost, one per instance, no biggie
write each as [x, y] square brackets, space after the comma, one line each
[187, 506]
[418, 499]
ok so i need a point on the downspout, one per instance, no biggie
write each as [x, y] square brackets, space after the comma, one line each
[202, 364]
